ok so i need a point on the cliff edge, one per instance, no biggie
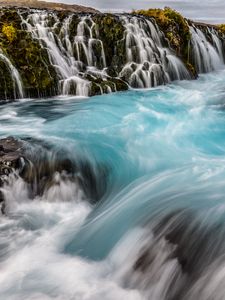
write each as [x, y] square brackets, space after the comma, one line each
[47, 5]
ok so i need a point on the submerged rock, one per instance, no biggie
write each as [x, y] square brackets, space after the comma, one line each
[42, 167]
[182, 245]
[11, 159]
[10, 155]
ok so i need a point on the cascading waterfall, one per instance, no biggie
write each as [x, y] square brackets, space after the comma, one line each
[60, 51]
[71, 56]
[217, 43]
[149, 63]
[76, 50]
[206, 56]
[17, 82]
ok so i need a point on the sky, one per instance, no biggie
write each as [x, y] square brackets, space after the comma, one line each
[201, 10]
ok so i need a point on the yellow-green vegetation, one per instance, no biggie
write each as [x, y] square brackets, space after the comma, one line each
[9, 31]
[221, 28]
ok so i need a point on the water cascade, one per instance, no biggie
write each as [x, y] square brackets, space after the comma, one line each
[77, 46]
[70, 55]
[206, 50]
[17, 82]
[149, 63]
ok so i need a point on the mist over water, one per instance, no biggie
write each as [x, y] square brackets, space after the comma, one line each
[203, 11]
[158, 230]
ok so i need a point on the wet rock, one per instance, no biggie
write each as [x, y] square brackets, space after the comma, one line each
[185, 240]
[11, 159]
[42, 167]
[10, 155]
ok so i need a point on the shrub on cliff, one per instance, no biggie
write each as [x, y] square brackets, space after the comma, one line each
[9, 31]
[221, 29]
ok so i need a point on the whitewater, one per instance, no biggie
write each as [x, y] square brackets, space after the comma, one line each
[157, 229]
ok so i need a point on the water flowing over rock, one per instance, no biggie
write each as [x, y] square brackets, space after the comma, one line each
[149, 63]
[182, 250]
[206, 49]
[43, 168]
[68, 53]
[11, 159]
[15, 77]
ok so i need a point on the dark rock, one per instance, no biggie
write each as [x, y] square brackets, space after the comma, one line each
[37, 163]
[11, 159]
[187, 238]
[10, 155]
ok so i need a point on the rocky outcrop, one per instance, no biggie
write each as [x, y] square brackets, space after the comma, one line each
[38, 4]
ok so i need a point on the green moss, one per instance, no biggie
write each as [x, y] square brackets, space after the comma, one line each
[111, 32]
[26, 54]
[6, 86]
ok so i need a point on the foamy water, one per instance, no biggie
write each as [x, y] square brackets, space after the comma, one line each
[163, 155]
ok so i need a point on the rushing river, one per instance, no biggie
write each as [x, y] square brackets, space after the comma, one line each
[158, 230]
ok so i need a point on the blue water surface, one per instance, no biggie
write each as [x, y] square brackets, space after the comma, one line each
[164, 149]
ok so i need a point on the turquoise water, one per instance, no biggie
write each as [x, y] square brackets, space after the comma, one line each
[164, 150]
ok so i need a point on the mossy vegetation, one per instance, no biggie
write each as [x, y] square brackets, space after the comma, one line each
[7, 85]
[111, 32]
[26, 54]
[221, 29]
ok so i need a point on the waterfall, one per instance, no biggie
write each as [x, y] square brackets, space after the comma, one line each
[76, 45]
[71, 56]
[206, 53]
[149, 63]
[17, 82]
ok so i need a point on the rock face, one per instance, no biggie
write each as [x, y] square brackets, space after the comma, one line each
[47, 5]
